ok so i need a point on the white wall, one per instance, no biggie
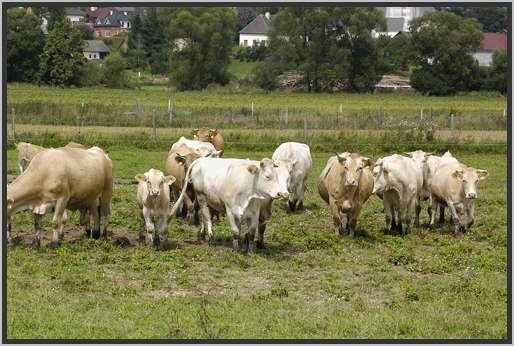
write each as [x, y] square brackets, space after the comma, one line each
[251, 39]
[92, 55]
[75, 19]
[484, 58]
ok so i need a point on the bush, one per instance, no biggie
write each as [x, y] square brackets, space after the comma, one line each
[254, 53]
[265, 76]
[427, 82]
[114, 71]
[90, 74]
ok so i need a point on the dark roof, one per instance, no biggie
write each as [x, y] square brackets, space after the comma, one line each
[100, 12]
[395, 24]
[493, 41]
[96, 46]
[260, 25]
[111, 20]
[125, 9]
[74, 11]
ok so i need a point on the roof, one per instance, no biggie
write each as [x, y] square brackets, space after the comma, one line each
[96, 46]
[113, 19]
[126, 9]
[74, 11]
[493, 41]
[100, 12]
[395, 24]
[260, 25]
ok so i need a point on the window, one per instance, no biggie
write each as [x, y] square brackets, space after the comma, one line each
[89, 56]
[245, 43]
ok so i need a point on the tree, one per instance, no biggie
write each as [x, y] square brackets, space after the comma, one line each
[136, 54]
[154, 42]
[200, 44]
[25, 41]
[396, 53]
[62, 57]
[85, 31]
[493, 18]
[56, 15]
[114, 71]
[443, 44]
[326, 44]
[500, 70]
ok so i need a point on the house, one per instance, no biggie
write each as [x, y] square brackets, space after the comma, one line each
[256, 31]
[75, 15]
[491, 42]
[108, 21]
[398, 18]
[95, 49]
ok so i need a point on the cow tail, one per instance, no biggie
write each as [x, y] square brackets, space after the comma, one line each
[182, 193]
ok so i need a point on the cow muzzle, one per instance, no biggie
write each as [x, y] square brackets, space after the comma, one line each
[283, 195]
[471, 195]
[155, 193]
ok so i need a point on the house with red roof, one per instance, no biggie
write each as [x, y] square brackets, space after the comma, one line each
[491, 42]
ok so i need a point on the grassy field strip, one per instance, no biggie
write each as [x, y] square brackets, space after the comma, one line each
[308, 283]
[172, 133]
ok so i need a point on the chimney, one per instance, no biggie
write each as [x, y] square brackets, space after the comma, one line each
[267, 15]
[110, 13]
[93, 8]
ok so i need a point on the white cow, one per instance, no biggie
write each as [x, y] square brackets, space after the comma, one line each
[199, 147]
[395, 178]
[153, 199]
[419, 157]
[430, 167]
[455, 185]
[297, 158]
[243, 189]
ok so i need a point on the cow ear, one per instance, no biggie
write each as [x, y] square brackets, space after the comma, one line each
[366, 162]
[140, 178]
[482, 174]
[253, 169]
[385, 170]
[180, 159]
[194, 132]
[458, 174]
[10, 203]
[213, 132]
[169, 179]
[407, 154]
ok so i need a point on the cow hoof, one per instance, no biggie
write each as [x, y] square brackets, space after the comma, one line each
[260, 245]
[88, 232]
[36, 242]
[142, 239]
[156, 242]
[53, 245]
[300, 207]
[95, 234]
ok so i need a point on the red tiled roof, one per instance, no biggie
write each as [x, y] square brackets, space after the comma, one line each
[100, 12]
[494, 40]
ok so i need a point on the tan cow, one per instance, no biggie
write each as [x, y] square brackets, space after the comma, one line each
[27, 151]
[455, 185]
[153, 199]
[206, 134]
[345, 184]
[64, 178]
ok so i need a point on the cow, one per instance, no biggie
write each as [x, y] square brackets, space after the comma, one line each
[432, 163]
[345, 184]
[455, 185]
[297, 158]
[205, 134]
[420, 159]
[153, 200]
[64, 178]
[395, 178]
[201, 148]
[177, 164]
[27, 151]
[243, 189]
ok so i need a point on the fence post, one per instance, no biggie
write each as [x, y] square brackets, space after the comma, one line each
[154, 131]
[14, 124]
[504, 113]
[170, 110]
[287, 116]
[305, 128]
[252, 109]
[452, 123]
[421, 114]
[139, 109]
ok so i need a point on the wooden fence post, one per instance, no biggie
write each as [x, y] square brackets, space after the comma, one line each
[287, 116]
[139, 109]
[452, 123]
[305, 128]
[170, 110]
[421, 114]
[14, 124]
[252, 109]
[154, 131]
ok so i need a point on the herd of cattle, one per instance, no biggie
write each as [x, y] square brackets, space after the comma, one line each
[204, 185]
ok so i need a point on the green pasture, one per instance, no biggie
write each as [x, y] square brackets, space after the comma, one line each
[308, 283]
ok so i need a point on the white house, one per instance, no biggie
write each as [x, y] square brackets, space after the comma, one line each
[95, 49]
[398, 18]
[491, 42]
[75, 15]
[256, 31]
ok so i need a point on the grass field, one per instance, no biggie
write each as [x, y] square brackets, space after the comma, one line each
[308, 283]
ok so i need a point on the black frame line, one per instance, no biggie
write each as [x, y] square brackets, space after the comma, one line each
[6, 340]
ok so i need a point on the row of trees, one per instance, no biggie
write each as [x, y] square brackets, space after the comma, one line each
[328, 46]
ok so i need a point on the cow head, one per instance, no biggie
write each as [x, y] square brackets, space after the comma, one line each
[155, 181]
[380, 177]
[418, 156]
[469, 178]
[352, 167]
[271, 178]
[186, 159]
[204, 134]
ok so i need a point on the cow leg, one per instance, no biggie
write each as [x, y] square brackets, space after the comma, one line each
[151, 231]
[206, 217]
[38, 220]
[264, 215]
[142, 237]
[433, 205]
[441, 213]
[300, 194]
[105, 210]
[253, 223]
[235, 225]
[470, 210]
[336, 217]
[163, 227]
[84, 220]
[291, 205]
[60, 206]
[95, 215]
[455, 216]
[190, 207]
[389, 215]
[418, 211]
